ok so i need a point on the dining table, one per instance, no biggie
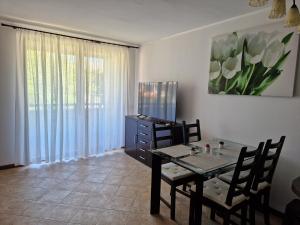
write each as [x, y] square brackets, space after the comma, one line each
[205, 158]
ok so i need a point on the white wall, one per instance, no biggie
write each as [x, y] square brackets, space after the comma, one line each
[7, 76]
[244, 119]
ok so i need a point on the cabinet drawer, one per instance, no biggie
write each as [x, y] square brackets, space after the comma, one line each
[144, 135]
[144, 126]
[143, 141]
[142, 156]
[142, 148]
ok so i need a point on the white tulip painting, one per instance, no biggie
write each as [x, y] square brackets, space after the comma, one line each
[260, 61]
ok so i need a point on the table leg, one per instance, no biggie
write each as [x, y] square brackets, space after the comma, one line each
[196, 199]
[155, 184]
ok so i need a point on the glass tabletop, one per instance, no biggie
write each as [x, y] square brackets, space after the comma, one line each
[204, 157]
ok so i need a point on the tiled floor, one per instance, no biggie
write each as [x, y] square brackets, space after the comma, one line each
[110, 190]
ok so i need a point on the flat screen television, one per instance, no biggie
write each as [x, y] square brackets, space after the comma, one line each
[158, 100]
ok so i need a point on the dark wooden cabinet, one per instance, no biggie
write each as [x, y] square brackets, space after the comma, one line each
[138, 137]
[131, 136]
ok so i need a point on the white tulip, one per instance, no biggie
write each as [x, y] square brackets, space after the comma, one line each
[230, 67]
[269, 36]
[216, 50]
[256, 47]
[231, 43]
[222, 49]
[273, 53]
[214, 70]
[241, 41]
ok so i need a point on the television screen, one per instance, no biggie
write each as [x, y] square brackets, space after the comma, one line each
[158, 100]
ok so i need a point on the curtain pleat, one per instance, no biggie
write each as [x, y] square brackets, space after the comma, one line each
[71, 97]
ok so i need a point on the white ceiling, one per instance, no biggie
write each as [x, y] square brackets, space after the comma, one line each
[135, 21]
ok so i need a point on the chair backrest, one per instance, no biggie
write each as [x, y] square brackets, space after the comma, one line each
[244, 172]
[162, 133]
[268, 162]
[187, 133]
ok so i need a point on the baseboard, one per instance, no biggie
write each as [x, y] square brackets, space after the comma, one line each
[5, 167]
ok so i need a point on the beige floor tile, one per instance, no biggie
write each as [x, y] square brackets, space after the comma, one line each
[113, 179]
[39, 210]
[54, 196]
[77, 177]
[69, 185]
[62, 213]
[6, 219]
[109, 190]
[27, 182]
[145, 219]
[98, 201]
[97, 178]
[23, 220]
[86, 217]
[14, 206]
[87, 187]
[140, 206]
[121, 203]
[50, 183]
[129, 191]
[75, 199]
[112, 217]
[51, 222]
[29, 193]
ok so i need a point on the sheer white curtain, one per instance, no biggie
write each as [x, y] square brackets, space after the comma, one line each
[71, 97]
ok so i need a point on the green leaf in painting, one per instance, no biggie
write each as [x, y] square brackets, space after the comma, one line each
[281, 61]
[215, 85]
[266, 82]
[287, 38]
[257, 78]
[270, 76]
[243, 62]
[212, 88]
[243, 79]
[233, 82]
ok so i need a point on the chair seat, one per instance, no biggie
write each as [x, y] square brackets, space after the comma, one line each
[227, 177]
[216, 190]
[261, 186]
[174, 172]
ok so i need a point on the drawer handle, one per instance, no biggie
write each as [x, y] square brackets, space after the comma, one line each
[143, 142]
[141, 157]
[143, 134]
[142, 125]
[143, 150]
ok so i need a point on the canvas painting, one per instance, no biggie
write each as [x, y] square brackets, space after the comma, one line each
[260, 61]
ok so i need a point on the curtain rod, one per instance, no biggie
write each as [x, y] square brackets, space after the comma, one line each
[68, 36]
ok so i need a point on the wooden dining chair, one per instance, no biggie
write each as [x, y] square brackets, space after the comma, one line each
[188, 133]
[226, 199]
[261, 187]
[172, 174]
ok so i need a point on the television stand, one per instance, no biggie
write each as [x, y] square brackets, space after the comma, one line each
[138, 137]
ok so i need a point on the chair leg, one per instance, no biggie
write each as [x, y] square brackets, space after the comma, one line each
[244, 211]
[191, 213]
[173, 201]
[184, 187]
[252, 211]
[266, 207]
[226, 218]
[213, 214]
